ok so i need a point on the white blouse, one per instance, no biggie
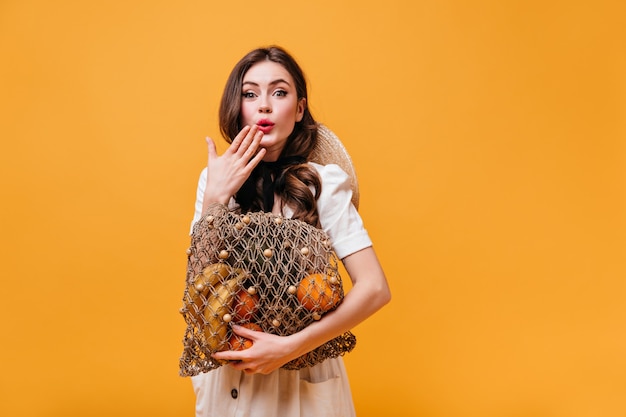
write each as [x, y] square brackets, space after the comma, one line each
[338, 216]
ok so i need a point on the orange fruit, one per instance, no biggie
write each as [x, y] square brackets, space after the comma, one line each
[316, 293]
[237, 342]
[245, 305]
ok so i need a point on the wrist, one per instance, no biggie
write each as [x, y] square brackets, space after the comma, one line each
[300, 343]
[214, 199]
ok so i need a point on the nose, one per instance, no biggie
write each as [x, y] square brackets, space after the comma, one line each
[264, 106]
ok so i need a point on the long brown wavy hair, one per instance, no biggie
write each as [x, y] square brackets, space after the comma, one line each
[292, 182]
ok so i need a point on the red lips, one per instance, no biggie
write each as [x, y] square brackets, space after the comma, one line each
[265, 125]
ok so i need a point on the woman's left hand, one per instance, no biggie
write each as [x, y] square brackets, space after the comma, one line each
[268, 352]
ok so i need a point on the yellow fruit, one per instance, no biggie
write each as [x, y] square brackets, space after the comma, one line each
[215, 327]
[199, 289]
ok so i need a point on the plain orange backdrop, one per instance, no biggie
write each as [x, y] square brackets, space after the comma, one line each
[489, 138]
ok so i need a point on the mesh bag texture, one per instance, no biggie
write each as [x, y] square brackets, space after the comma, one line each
[261, 271]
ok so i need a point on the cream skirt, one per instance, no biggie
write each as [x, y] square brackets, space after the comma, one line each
[319, 391]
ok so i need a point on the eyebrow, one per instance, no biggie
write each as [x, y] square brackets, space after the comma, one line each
[278, 81]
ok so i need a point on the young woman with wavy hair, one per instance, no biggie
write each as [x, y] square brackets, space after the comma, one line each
[264, 115]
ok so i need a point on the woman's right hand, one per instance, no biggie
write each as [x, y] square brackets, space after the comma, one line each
[226, 173]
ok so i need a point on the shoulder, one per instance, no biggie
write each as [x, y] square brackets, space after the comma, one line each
[335, 175]
[336, 184]
[331, 173]
[338, 215]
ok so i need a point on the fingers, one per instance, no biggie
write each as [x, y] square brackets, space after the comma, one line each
[251, 142]
[245, 332]
[233, 356]
[234, 145]
[211, 147]
[246, 143]
[244, 366]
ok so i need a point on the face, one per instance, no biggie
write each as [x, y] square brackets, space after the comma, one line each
[270, 101]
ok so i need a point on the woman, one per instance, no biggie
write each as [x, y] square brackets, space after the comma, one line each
[264, 110]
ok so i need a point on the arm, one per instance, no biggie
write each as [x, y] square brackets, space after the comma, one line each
[369, 285]
[369, 293]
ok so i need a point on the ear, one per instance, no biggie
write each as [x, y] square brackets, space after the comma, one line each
[300, 109]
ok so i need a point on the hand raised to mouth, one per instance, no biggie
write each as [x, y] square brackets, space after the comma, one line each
[226, 173]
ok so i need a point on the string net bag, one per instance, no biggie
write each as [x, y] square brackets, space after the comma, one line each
[261, 271]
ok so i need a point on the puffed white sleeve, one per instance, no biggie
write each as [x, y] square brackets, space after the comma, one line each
[338, 216]
[199, 197]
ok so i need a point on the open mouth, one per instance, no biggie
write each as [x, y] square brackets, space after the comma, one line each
[265, 125]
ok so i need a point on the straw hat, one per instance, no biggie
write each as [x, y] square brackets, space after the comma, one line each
[330, 150]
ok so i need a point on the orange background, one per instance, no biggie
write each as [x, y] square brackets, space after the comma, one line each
[490, 142]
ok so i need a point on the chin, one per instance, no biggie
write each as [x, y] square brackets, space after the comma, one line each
[268, 142]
